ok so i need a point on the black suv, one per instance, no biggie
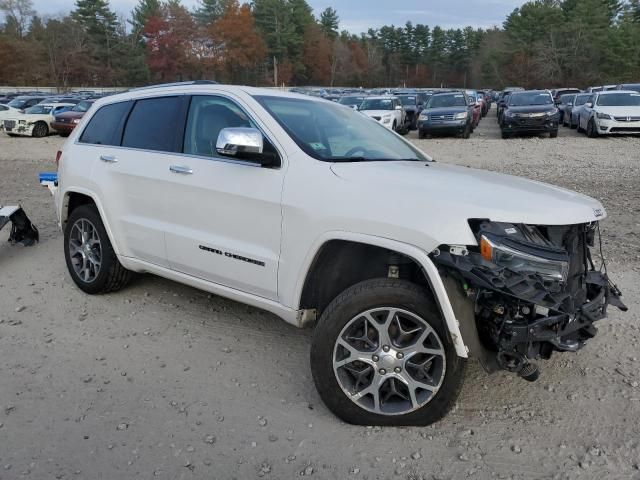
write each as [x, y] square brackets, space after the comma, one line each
[531, 111]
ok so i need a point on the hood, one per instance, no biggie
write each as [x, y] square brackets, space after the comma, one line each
[628, 111]
[445, 110]
[70, 115]
[449, 195]
[377, 113]
[531, 108]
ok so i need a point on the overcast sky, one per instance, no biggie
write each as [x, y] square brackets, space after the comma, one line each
[359, 15]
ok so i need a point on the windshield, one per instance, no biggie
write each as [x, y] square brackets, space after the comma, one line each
[567, 98]
[351, 100]
[377, 104]
[408, 101]
[619, 100]
[445, 101]
[16, 103]
[333, 133]
[39, 109]
[530, 98]
[82, 106]
[581, 100]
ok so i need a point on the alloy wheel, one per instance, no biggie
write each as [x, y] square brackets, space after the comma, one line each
[389, 361]
[85, 250]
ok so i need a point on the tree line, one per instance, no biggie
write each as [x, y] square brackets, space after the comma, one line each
[544, 43]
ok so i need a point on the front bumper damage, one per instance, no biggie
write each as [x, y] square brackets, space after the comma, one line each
[520, 317]
[23, 232]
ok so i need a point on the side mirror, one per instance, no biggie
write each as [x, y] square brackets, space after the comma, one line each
[398, 107]
[589, 104]
[245, 144]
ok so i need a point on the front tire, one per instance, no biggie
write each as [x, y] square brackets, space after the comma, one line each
[381, 355]
[592, 131]
[91, 260]
[553, 134]
[40, 130]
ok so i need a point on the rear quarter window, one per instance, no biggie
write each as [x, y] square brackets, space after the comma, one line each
[105, 127]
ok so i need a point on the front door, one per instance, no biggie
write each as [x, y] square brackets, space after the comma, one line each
[224, 216]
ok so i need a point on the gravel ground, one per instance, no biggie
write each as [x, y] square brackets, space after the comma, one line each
[164, 381]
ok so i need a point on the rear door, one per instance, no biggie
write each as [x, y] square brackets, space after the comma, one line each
[223, 215]
[134, 176]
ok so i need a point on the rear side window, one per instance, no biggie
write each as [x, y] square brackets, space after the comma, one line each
[153, 124]
[105, 126]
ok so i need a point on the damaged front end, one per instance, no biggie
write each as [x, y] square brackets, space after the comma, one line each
[534, 290]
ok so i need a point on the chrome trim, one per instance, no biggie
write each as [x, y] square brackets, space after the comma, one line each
[181, 169]
[108, 158]
[275, 144]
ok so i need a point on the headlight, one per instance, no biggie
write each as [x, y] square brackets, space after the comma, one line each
[75, 120]
[386, 119]
[603, 116]
[461, 116]
[423, 116]
[553, 112]
[522, 262]
[507, 113]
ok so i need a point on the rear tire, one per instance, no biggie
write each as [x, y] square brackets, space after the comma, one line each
[351, 314]
[467, 132]
[91, 260]
[506, 135]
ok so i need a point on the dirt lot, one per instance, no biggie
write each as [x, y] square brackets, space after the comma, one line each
[164, 381]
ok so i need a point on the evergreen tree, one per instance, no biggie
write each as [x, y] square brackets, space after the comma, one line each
[329, 22]
[141, 13]
[209, 11]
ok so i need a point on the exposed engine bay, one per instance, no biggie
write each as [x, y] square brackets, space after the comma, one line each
[535, 290]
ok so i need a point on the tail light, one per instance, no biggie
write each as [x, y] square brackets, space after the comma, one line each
[58, 155]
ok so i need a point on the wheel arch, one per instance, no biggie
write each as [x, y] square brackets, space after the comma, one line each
[339, 260]
[76, 197]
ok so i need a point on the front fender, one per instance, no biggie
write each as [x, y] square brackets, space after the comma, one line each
[417, 254]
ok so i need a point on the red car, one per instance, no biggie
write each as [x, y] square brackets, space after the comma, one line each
[67, 121]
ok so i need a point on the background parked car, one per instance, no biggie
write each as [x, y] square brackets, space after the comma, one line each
[566, 101]
[65, 122]
[412, 106]
[447, 113]
[558, 92]
[351, 101]
[35, 121]
[388, 111]
[629, 86]
[572, 112]
[475, 108]
[612, 112]
[530, 112]
[24, 102]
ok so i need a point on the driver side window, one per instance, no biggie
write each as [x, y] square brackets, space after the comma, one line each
[208, 115]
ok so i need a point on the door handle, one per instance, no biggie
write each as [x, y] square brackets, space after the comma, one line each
[181, 169]
[108, 158]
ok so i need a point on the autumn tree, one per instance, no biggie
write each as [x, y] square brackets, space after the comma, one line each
[239, 46]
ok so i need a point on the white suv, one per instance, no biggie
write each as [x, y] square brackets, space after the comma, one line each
[387, 110]
[611, 112]
[302, 207]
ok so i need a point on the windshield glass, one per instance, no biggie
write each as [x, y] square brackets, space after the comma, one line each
[16, 103]
[377, 104]
[333, 133]
[39, 109]
[567, 98]
[82, 106]
[445, 101]
[530, 98]
[632, 86]
[351, 100]
[581, 100]
[619, 100]
[408, 100]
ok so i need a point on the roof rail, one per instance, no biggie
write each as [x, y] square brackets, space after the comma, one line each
[175, 84]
